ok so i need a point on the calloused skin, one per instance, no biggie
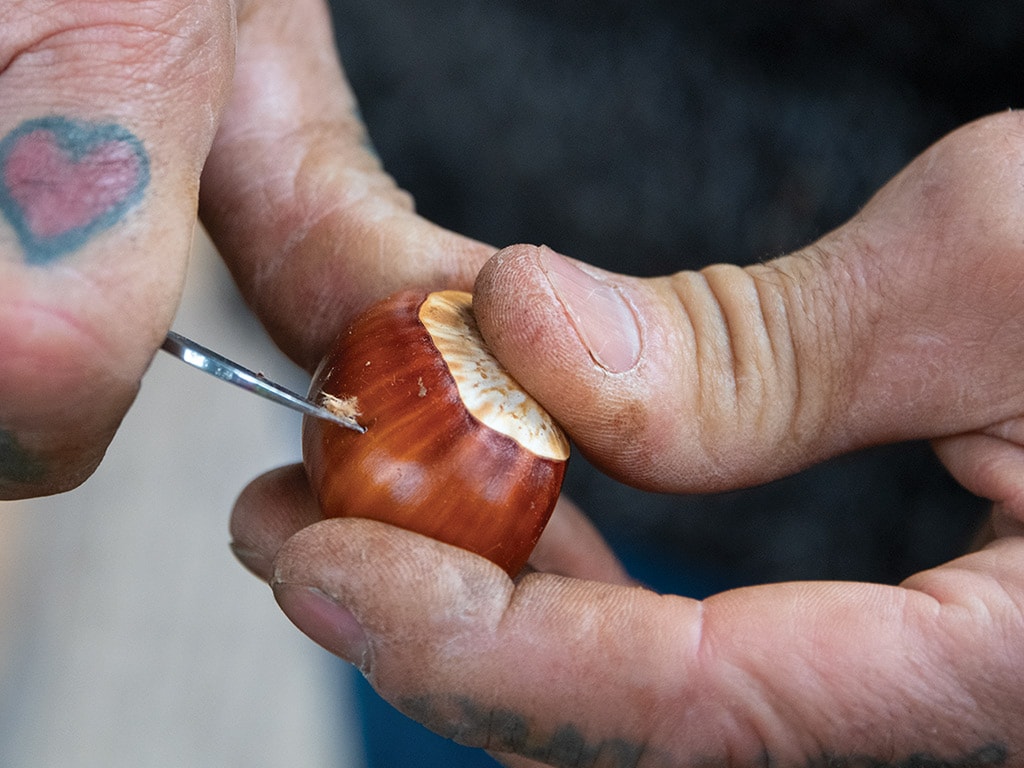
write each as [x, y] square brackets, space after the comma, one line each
[907, 322]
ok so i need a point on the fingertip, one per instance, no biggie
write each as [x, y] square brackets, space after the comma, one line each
[65, 384]
[512, 267]
[577, 339]
[511, 302]
[405, 592]
[536, 332]
[271, 509]
[594, 305]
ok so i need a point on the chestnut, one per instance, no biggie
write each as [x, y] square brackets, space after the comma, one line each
[453, 447]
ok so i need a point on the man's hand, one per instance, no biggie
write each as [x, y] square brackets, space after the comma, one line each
[908, 322]
[108, 113]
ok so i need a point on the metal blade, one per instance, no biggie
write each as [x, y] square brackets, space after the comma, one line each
[217, 365]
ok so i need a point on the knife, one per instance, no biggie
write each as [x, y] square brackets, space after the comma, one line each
[217, 365]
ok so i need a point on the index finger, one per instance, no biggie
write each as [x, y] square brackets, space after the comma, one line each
[310, 224]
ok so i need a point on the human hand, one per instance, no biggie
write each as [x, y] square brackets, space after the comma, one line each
[110, 110]
[905, 323]
[98, 186]
[295, 198]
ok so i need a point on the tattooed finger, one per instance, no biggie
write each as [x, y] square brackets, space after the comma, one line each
[109, 113]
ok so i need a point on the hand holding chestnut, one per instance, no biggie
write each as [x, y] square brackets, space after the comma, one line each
[906, 323]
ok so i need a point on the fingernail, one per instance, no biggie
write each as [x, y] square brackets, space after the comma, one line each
[256, 562]
[324, 621]
[603, 320]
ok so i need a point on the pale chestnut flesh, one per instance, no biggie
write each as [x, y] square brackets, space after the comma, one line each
[454, 449]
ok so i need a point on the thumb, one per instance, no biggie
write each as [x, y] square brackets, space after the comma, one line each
[905, 323]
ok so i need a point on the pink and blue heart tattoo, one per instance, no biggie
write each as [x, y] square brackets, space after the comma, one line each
[63, 181]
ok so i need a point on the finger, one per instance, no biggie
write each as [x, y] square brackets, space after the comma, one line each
[98, 186]
[569, 672]
[307, 220]
[268, 512]
[990, 464]
[571, 546]
[904, 323]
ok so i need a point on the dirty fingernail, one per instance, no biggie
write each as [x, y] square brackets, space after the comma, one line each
[324, 620]
[602, 318]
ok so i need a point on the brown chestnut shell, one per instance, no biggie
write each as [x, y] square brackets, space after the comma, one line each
[425, 463]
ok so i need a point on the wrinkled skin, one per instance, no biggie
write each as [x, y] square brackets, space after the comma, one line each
[904, 323]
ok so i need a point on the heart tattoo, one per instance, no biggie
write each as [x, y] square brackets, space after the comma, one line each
[62, 181]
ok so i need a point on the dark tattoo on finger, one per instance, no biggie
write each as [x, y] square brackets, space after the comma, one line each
[987, 756]
[498, 730]
[462, 720]
[17, 465]
[62, 181]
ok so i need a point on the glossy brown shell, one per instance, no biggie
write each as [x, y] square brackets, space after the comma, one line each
[425, 463]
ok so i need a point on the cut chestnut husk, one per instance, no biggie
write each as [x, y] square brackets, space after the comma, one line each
[454, 448]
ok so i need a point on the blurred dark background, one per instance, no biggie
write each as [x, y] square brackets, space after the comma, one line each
[649, 137]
